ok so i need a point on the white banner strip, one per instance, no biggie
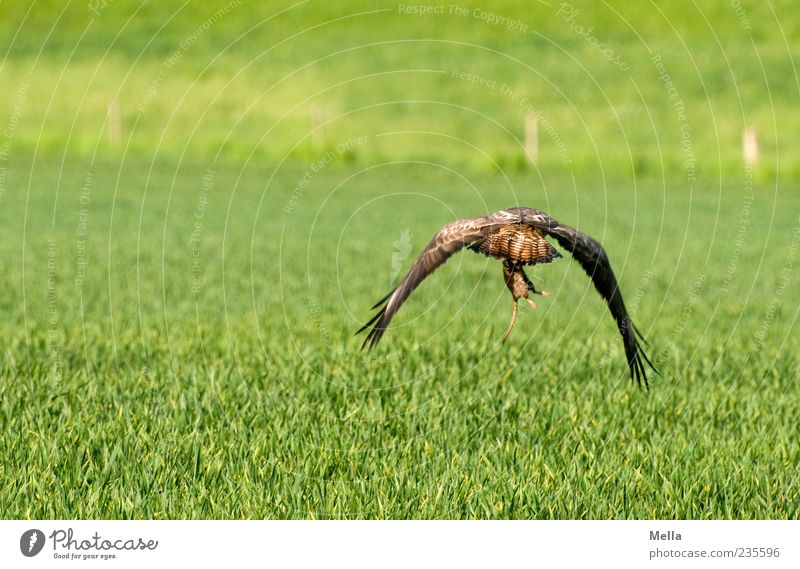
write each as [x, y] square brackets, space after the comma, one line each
[371, 544]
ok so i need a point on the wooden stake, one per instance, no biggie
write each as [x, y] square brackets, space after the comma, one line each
[750, 146]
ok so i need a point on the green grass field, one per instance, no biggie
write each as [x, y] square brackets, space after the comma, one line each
[180, 301]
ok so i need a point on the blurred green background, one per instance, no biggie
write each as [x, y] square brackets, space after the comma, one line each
[235, 79]
[201, 200]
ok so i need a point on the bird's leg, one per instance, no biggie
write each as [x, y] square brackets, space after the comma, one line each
[532, 288]
[539, 292]
[533, 304]
[513, 319]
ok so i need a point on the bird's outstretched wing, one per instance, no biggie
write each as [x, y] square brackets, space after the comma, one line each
[449, 240]
[592, 257]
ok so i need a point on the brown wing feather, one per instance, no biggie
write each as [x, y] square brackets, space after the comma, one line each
[449, 240]
[594, 261]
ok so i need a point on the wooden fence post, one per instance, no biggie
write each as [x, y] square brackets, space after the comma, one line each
[750, 146]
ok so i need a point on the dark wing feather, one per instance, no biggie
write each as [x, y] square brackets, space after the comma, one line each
[449, 240]
[592, 257]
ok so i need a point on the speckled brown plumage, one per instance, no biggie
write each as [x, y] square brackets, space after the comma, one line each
[520, 244]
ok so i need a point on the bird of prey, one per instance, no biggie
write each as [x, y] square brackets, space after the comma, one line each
[517, 237]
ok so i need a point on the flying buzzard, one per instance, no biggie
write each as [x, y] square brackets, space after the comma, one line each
[517, 237]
